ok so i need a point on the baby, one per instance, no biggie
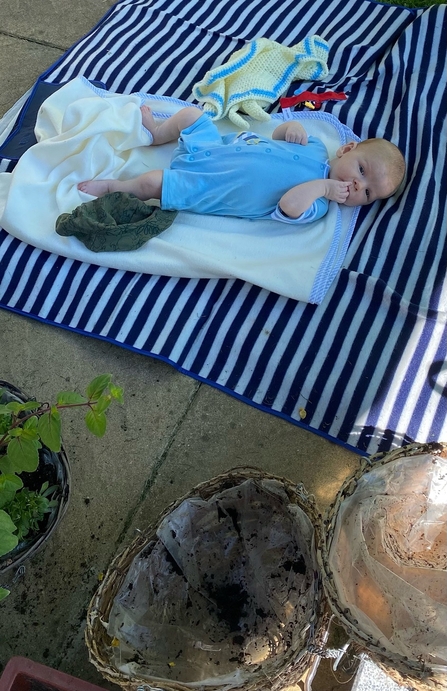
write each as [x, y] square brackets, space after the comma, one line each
[287, 178]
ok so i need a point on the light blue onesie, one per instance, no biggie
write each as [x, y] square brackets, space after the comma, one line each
[241, 175]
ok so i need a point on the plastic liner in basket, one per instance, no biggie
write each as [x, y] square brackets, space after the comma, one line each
[387, 560]
[229, 583]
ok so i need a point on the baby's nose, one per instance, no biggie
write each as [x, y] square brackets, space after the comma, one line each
[359, 185]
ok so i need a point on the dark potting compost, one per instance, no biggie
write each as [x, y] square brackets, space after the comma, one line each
[228, 584]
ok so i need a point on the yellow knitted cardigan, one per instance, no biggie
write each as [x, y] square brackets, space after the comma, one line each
[257, 75]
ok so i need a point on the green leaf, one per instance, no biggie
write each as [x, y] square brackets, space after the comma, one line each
[31, 423]
[4, 410]
[30, 405]
[6, 467]
[9, 485]
[102, 403]
[49, 427]
[70, 397]
[96, 423]
[23, 454]
[14, 406]
[30, 433]
[16, 432]
[97, 387]
[7, 540]
[4, 592]
[48, 491]
[117, 393]
[6, 522]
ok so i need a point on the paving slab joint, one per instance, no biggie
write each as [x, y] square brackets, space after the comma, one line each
[157, 465]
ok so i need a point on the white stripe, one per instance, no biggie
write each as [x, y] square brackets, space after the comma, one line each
[135, 310]
[105, 297]
[168, 49]
[56, 286]
[6, 275]
[256, 352]
[357, 376]
[25, 271]
[205, 18]
[437, 339]
[197, 315]
[419, 380]
[43, 273]
[71, 292]
[214, 350]
[155, 311]
[172, 75]
[76, 57]
[86, 296]
[129, 290]
[283, 343]
[121, 47]
[240, 337]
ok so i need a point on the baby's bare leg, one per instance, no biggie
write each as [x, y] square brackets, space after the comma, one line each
[164, 131]
[146, 186]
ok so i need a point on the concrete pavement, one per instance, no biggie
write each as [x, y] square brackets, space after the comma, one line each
[171, 433]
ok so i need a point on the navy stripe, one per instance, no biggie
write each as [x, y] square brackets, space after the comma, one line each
[64, 290]
[211, 332]
[285, 360]
[233, 333]
[217, 288]
[275, 337]
[48, 283]
[95, 298]
[165, 313]
[145, 311]
[132, 294]
[31, 276]
[246, 350]
[24, 253]
[79, 293]
[186, 314]
[112, 301]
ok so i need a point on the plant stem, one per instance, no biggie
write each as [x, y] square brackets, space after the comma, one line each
[44, 408]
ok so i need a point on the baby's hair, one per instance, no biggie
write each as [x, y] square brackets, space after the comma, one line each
[394, 156]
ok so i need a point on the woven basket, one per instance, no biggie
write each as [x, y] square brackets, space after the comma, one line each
[29, 547]
[274, 676]
[410, 673]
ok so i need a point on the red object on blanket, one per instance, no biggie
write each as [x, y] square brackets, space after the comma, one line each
[309, 97]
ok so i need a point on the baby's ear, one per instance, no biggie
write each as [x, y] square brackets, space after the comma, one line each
[350, 146]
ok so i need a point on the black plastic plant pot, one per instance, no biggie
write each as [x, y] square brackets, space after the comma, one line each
[53, 468]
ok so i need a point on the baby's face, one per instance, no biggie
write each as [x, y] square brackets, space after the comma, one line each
[365, 170]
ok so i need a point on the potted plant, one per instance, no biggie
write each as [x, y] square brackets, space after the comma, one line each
[34, 468]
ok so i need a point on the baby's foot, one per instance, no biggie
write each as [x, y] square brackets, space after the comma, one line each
[97, 188]
[148, 119]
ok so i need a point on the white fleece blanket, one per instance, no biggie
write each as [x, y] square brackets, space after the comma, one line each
[85, 133]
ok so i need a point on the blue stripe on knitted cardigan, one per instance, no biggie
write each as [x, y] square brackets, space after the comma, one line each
[280, 85]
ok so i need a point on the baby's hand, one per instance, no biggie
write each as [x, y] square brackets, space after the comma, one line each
[295, 133]
[337, 191]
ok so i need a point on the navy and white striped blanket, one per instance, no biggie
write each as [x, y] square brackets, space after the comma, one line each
[366, 368]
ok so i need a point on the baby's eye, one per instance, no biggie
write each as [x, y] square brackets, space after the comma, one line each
[367, 194]
[362, 170]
